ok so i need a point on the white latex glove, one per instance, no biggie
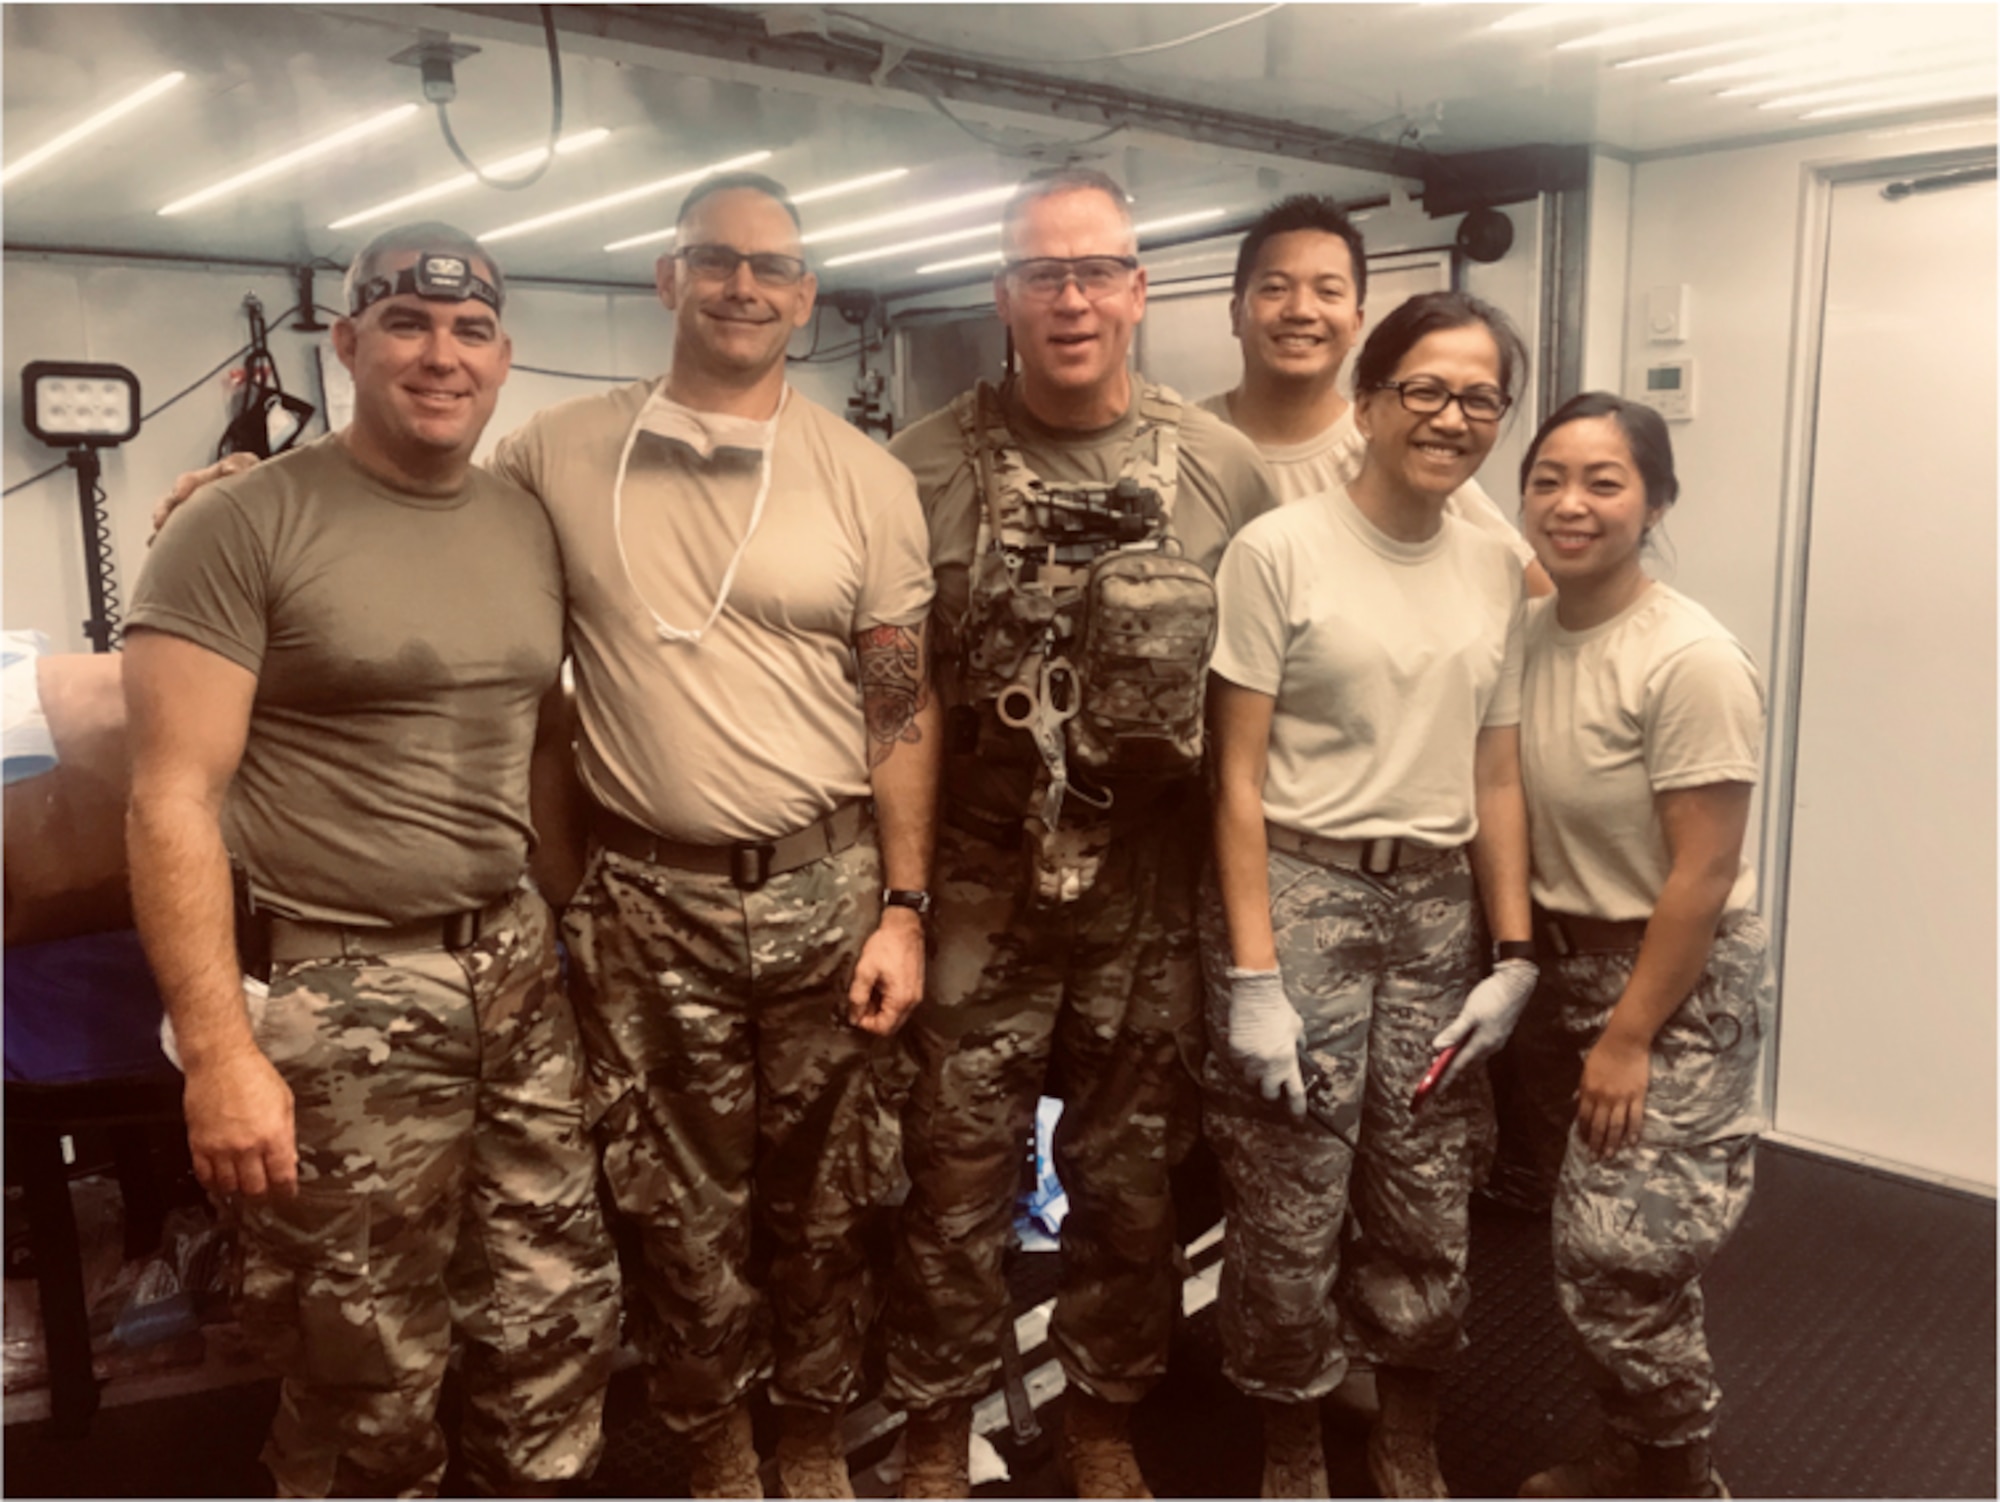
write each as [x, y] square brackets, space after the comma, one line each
[1488, 1016]
[1264, 1034]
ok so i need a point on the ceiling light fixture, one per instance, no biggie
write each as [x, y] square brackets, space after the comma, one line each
[852, 185]
[374, 125]
[628, 195]
[1541, 17]
[936, 209]
[1904, 102]
[1644, 31]
[811, 195]
[926, 243]
[1707, 49]
[451, 185]
[1936, 79]
[93, 125]
[1807, 65]
[1139, 231]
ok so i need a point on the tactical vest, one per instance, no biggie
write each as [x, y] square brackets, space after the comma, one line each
[1085, 626]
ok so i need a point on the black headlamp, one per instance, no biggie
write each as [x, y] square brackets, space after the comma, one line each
[435, 276]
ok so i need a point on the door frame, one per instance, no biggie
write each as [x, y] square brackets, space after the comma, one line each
[1787, 669]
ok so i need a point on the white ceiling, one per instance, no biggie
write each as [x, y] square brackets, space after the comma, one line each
[1432, 79]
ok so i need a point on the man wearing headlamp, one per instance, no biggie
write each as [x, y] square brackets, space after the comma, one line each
[332, 674]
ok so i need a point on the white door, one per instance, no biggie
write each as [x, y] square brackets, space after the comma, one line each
[1886, 1036]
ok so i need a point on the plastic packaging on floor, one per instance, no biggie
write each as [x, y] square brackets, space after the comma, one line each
[145, 1313]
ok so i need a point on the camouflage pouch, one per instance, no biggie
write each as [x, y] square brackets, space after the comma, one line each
[1149, 625]
[1063, 863]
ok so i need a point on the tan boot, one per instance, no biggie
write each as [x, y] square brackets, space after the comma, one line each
[1616, 1467]
[1097, 1448]
[1402, 1447]
[937, 1452]
[812, 1455]
[1294, 1458]
[723, 1459]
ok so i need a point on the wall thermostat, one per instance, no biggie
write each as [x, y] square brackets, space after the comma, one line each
[1669, 389]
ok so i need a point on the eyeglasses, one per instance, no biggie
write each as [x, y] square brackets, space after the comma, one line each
[718, 263]
[1428, 398]
[1097, 277]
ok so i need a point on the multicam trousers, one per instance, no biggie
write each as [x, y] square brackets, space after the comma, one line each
[1326, 1246]
[750, 1134]
[1094, 1000]
[1634, 1232]
[446, 1186]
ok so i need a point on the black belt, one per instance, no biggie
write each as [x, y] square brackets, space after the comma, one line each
[1378, 857]
[293, 939]
[1565, 934]
[747, 863]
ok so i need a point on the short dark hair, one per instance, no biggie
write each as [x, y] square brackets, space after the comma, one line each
[422, 235]
[1049, 182]
[1645, 435]
[1432, 313]
[725, 182]
[1302, 211]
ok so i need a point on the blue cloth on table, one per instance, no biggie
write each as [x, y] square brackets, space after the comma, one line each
[81, 1009]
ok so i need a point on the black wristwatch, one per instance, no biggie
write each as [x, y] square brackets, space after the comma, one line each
[917, 902]
[1515, 949]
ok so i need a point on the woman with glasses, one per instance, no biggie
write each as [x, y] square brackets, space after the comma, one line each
[1641, 723]
[1365, 700]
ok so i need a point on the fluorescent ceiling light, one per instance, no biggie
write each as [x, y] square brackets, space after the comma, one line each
[1902, 102]
[937, 209]
[1646, 31]
[1153, 226]
[857, 257]
[93, 125]
[1935, 80]
[852, 185]
[811, 195]
[1693, 54]
[464, 180]
[1808, 65]
[613, 200]
[1541, 17]
[648, 238]
[371, 126]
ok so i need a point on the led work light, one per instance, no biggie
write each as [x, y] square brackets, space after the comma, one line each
[68, 404]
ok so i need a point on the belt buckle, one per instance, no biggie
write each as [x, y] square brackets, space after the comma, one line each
[750, 865]
[1372, 865]
[461, 930]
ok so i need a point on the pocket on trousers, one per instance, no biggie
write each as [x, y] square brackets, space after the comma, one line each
[306, 1293]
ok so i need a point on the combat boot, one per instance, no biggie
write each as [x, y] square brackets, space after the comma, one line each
[723, 1457]
[1618, 1467]
[1294, 1457]
[1402, 1447]
[1097, 1448]
[812, 1458]
[937, 1451]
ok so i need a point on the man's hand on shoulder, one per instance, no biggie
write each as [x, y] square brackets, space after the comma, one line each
[240, 1132]
[889, 976]
[188, 483]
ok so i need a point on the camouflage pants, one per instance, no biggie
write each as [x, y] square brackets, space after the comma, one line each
[750, 1133]
[1097, 1001]
[446, 1185]
[1327, 1247]
[1634, 1232]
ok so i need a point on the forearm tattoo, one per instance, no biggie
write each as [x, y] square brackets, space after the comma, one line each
[892, 687]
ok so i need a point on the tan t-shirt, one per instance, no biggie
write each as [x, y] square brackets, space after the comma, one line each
[1659, 697]
[1331, 460]
[1221, 485]
[756, 730]
[401, 644]
[1386, 660]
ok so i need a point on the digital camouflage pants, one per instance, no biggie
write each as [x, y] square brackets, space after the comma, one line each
[750, 1134]
[1634, 1232]
[1331, 1243]
[1096, 1000]
[446, 1187]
